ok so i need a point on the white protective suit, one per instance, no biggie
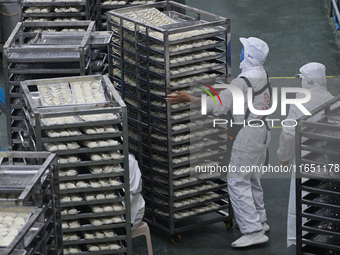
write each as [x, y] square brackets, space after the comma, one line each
[314, 79]
[136, 199]
[250, 145]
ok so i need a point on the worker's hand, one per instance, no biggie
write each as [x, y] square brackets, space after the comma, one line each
[284, 163]
[178, 97]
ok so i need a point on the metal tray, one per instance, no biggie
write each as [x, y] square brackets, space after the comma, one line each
[322, 241]
[321, 214]
[321, 227]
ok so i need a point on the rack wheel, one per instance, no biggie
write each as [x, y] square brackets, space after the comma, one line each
[229, 224]
[176, 239]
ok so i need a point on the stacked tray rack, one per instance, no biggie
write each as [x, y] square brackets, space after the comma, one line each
[32, 54]
[57, 10]
[149, 62]
[30, 185]
[317, 196]
[107, 5]
[91, 142]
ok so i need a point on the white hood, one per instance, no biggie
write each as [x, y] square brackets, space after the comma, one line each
[255, 52]
[313, 75]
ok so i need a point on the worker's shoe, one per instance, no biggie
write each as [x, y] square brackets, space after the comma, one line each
[250, 239]
[265, 226]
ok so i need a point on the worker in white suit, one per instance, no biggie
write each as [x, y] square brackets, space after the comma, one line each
[136, 199]
[313, 78]
[247, 145]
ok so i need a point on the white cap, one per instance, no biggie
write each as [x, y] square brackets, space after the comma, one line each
[255, 50]
[313, 73]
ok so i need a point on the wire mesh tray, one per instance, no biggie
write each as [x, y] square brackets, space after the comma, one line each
[76, 38]
[322, 241]
[322, 227]
[322, 214]
[321, 187]
[16, 178]
[324, 201]
[310, 250]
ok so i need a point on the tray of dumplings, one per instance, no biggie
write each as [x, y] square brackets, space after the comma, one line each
[12, 221]
[187, 58]
[115, 247]
[96, 223]
[195, 211]
[184, 48]
[90, 185]
[193, 201]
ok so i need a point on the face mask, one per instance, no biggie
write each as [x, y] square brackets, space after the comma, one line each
[242, 54]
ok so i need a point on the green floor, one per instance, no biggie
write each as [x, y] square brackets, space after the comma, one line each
[297, 32]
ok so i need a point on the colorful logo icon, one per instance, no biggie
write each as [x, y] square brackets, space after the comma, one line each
[213, 90]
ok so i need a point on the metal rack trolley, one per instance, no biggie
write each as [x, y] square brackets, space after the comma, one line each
[78, 196]
[57, 10]
[104, 6]
[317, 196]
[31, 54]
[31, 179]
[148, 63]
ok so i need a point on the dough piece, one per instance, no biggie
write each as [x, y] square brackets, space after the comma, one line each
[53, 133]
[74, 224]
[117, 208]
[89, 236]
[90, 131]
[65, 199]
[97, 209]
[109, 234]
[91, 144]
[105, 156]
[73, 250]
[93, 248]
[73, 146]
[81, 184]
[100, 197]
[95, 184]
[108, 208]
[99, 234]
[64, 133]
[70, 185]
[95, 157]
[96, 222]
[73, 159]
[103, 247]
[90, 197]
[108, 169]
[112, 142]
[72, 211]
[110, 196]
[96, 170]
[103, 144]
[76, 199]
[114, 247]
[71, 172]
[115, 155]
